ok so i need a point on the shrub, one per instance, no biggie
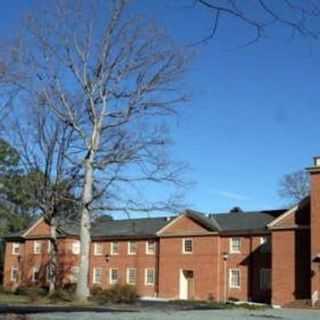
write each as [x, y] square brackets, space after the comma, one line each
[34, 293]
[70, 288]
[116, 294]
[233, 299]
[96, 290]
[62, 295]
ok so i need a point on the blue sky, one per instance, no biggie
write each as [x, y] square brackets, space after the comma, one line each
[254, 112]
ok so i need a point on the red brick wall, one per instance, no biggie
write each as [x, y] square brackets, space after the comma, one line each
[203, 262]
[122, 261]
[315, 230]
[206, 262]
[290, 265]
[250, 261]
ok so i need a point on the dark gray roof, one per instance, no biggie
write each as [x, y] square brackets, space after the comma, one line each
[143, 227]
[203, 219]
[245, 221]
[148, 227]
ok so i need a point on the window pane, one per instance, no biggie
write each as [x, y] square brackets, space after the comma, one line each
[235, 244]
[113, 276]
[114, 247]
[132, 247]
[234, 278]
[187, 245]
[98, 249]
[76, 247]
[149, 276]
[151, 246]
[131, 276]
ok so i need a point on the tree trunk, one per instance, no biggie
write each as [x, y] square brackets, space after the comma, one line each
[53, 258]
[82, 291]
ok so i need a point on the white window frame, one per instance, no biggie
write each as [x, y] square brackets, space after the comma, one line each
[96, 252]
[49, 246]
[148, 251]
[14, 268]
[112, 252]
[130, 252]
[94, 278]
[34, 271]
[111, 281]
[231, 248]
[16, 245]
[146, 283]
[184, 246]
[37, 247]
[76, 247]
[262, 276]
[128, 276]
[231, 285]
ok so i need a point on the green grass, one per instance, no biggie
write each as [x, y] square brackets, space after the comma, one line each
[7, 298]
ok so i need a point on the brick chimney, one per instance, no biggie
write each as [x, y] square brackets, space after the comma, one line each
[315, 229]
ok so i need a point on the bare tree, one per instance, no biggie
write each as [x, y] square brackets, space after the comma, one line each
[294, 186]
[114, 80]
[49, 180]
[298, 16]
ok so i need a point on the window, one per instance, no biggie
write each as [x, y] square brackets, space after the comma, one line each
[35, 274]
[149, 277]
[98, 249]
[265, 244]
[16, 248]
[132, 247]
[265, 279]
[14, 276]
[74, 274]
[49, 246]
[234, 278]
[131, 276]
[114, 248]
[150, 247]
[113, 276]
[235, 245]
[187, 246]
[97, 275]
[75, 247]
[37, 247]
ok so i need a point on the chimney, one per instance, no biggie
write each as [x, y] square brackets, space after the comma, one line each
[315, 229]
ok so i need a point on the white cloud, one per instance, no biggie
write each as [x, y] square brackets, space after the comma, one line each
[231, 195]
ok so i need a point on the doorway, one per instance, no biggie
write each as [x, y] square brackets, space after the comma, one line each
[186, 285]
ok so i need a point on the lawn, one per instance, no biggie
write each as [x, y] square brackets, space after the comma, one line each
[230, 314]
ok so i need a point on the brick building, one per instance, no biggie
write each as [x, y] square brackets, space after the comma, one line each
[266, 256]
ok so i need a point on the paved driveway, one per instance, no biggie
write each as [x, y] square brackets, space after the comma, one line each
[282, 314]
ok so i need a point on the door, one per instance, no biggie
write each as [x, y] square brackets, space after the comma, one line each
[186, 285]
